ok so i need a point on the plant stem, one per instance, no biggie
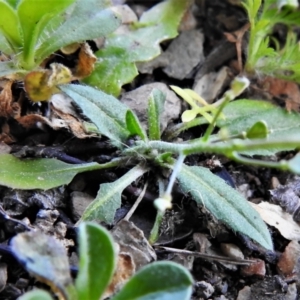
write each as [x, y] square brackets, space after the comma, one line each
[211, 126]
[226, 148]
[174, 174]
[137, 202]
[154, 234]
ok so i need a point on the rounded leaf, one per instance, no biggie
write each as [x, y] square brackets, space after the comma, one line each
[158, 281]
[36, 295]
[258, 131]
[189, 115]
[97, 258]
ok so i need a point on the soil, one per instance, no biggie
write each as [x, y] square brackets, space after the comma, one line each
[186, 226]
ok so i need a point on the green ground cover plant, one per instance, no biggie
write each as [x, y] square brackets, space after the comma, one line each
[281, 61]
[242, 134]
[243, 130]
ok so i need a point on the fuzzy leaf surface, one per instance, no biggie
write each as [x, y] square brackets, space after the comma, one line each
[108, 199]
[97, 257]
[155, 109]
[116, 65]
[224, 203]
[8, 68]
[88, 20]
[158, 281]
[33, 16]
[44, 173]
[105, 111]
[241, 115]
[45, 258]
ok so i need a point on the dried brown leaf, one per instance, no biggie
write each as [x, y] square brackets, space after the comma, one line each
[283, 90]
[86, 62]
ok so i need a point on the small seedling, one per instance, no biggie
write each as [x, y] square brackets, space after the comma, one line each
[246, 128]
[280, 62]
[45, 258]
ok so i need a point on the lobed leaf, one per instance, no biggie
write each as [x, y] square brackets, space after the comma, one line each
[116, 65]
[158, 281]
[108, 199]
[106, 112]
[97, 260]
[38, 173]
[224, 203]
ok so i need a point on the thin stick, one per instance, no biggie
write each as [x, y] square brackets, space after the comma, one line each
[137, 202]
[229, 260]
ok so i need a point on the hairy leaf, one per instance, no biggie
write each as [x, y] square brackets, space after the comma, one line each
[241, 115]
[38, 173]
[45, 258]
[156, 103]
[8, 68]
[224, 203]
[89, 19]
[157, 281]
[97, 257]
[106, 112]
[116, 65]
[33, 17]
[108, 199]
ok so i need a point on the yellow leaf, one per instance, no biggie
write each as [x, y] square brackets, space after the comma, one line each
[40, 85]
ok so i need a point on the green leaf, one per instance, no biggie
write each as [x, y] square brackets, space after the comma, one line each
[34, 16]
[158, 281]
[258, 131]
[106, 112]
[189, 115]
[134, 126]
[5, 46]
[224, 203]
[108, 199]
[89, 19]
[116, 64]
[97, 260]
[241, 115]
[36, 295]
[155, 109]
[40, 173]
[13, 3]
[9, 26]
[45, 258]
